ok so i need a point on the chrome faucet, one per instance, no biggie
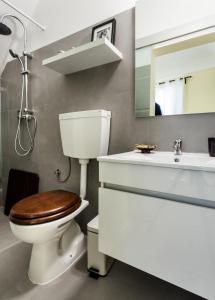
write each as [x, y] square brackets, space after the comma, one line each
[177, 146]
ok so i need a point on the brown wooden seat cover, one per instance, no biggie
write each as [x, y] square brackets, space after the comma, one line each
[44, 207]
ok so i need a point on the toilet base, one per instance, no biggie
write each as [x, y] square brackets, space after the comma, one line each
[51, 259]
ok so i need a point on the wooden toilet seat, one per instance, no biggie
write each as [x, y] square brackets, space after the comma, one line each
[44, 207]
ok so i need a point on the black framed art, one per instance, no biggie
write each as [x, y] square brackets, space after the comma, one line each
[105, 30]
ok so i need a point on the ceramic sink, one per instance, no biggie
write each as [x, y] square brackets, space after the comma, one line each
[193, 161]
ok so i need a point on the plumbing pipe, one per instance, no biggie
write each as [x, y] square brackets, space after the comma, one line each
[83, 180]
[24, 14]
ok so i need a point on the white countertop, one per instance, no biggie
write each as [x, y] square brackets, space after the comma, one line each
[192, 161]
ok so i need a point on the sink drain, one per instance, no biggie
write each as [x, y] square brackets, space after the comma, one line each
[176, 160]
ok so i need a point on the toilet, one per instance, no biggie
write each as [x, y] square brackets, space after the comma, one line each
[46, 220]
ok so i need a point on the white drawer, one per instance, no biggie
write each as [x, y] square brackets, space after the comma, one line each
[175, 182]
[173, 241]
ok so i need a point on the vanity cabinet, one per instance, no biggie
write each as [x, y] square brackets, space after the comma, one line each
[169, 239]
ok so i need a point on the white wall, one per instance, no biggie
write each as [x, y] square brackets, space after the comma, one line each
[155, 15]
[65, 17]
[61, 18]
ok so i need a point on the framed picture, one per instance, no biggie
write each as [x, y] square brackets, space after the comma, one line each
[105, 30]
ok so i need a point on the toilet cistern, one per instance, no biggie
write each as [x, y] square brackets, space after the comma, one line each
[85, 136]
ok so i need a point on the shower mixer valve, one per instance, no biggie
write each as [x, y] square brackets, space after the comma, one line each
[26, 114]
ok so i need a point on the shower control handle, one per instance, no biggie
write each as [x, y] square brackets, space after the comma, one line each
[26, 114]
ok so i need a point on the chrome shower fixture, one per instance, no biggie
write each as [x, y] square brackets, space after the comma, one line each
[14, 55]
[25, 114]
[4, 29]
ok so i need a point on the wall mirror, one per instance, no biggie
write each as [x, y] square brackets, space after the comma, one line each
[176, 76]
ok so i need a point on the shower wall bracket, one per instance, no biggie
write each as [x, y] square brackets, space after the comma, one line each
[29, 55]
[25, 72]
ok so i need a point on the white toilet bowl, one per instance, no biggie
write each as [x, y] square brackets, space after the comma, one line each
[47, 220]
[56, 245]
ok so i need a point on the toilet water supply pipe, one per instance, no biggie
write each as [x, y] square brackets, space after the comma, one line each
[83, 179]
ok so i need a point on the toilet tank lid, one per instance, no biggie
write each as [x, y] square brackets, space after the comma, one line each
[86, 114]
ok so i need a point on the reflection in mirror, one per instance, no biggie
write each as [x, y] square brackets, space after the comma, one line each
[176, 77]
[185, 79]
[143, 81]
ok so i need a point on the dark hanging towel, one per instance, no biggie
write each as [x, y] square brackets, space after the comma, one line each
[21, 184]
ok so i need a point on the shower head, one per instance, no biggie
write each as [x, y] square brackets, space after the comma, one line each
[14, 55]
[4, 29]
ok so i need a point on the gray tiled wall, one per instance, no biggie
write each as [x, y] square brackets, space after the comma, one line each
[108, 87]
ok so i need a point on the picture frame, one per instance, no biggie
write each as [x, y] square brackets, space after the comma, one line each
[105, 30]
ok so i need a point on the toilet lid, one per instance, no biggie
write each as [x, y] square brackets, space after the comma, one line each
[45, 204]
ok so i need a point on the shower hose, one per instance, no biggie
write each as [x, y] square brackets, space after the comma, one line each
[18, 144]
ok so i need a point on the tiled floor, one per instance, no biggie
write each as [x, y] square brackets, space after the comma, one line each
[123, 282]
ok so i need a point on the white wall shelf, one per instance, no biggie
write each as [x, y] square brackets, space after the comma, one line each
[93, 54]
